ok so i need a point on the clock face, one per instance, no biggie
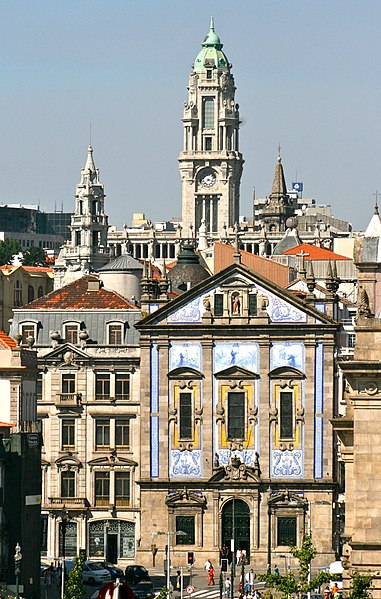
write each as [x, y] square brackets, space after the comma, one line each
[208, 179]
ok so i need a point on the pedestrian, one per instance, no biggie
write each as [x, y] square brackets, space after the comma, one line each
[178, 579]
[228, 587]
[276, 570]
[211, 575]
[207, 565]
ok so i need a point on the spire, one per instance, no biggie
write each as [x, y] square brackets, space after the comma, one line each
[90, 166]
[212, 38]
[374, 227]
[279, 189]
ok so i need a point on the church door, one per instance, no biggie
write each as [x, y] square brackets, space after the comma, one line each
[236, 524]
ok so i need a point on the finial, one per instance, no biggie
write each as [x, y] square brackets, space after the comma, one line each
[376, 203]
[237, 253]
[279, 158]
[90, 133]
[212, 23]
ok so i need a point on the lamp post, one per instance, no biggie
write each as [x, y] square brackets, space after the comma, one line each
[170, 533]
[18, 558]
[64, 521]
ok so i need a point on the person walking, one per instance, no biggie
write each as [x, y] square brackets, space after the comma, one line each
[228, 587]
[276, 570]
[211, 575]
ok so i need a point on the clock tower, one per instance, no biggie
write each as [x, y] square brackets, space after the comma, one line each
[210, 162]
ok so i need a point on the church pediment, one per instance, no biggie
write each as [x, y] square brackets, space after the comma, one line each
[185, 372]
[185, 498]
[236, 372]
[237, 471]
[286, 372]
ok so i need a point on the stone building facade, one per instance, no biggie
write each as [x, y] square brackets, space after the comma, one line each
[237, 390]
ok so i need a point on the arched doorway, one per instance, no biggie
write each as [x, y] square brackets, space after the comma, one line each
[236, 524]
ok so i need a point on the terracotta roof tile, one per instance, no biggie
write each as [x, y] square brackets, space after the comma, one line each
[76, 296]
[6, 424]
[12, 267]
[6, 341]
[314, 252]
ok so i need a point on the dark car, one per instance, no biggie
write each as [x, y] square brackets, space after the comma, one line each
[114, 571]
[135, 574]
[143, 589]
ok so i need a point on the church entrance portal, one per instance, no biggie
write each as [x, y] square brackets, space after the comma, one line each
[236, 524]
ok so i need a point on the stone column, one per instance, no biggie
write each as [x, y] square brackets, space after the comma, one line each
[263, 412]
[207, 435]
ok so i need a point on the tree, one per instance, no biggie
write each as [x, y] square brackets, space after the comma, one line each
[34, 256]
[360, 586]
[8, 249]
[74, 585]
[288, 585]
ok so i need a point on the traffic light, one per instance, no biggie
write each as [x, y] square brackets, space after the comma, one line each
[224, 565]
[190, 558]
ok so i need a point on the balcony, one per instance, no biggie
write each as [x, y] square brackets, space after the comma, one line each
[68, 400]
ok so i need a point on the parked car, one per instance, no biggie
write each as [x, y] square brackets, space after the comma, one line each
[135, 574]
[114, 571]
[143, 589]
[93, 572]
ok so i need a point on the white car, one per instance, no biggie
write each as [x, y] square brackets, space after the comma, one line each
[93, 572]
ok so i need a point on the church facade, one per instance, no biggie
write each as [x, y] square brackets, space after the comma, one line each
[237, 390]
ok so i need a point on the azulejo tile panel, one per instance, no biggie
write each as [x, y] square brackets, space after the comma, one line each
[154, 367]
[191, 312]
[281, 311]
[287, 464]
[185, 464]
[287, 354]
[239, 354]
[185, 354]
[154, 446]
[247, 457]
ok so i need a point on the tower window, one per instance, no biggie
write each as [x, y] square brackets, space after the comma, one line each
[208, 113]
[208, 144]
[209, 74]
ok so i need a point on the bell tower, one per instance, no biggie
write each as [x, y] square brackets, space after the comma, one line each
[210, 162]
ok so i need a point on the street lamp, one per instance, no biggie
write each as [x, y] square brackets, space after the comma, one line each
[18, 558]
[179, 533]
[64, 521]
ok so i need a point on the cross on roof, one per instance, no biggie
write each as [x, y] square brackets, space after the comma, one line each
[376, 206]
[302, 268]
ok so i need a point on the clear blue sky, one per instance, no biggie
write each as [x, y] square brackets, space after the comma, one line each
[307, 75]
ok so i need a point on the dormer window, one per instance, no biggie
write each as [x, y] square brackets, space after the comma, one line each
[71, 333]
[28, 329]
[115, 333]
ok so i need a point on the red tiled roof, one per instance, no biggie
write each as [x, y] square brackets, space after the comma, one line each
[223, 257]
[27, 268]
[6, 342]
[76, 296]
[6, 424]
[314, 252]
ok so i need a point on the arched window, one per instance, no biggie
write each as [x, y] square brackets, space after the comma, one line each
[40, 291]
[17, 293]
[30, 293]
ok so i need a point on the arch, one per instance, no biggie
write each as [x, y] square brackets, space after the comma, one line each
[30, 293]
[236, 524]
[40, 291]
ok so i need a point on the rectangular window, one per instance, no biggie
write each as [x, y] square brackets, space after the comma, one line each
[102, 386]
[208, 113]
[122, 385]
[236, 415]
[27, 330]
[68, 433]
[122, 488]
[185, 416]
[218, 304]
[253, 304]
[102, 488]
[209, 74]
[68, 384]
[39, 386]
[71, 333]
[351, 339]
[185, 524]
[67, 483]
[102, 434]
[208, 144]
[122, 434]
[286, 417]
[115, 334]
[286, 529]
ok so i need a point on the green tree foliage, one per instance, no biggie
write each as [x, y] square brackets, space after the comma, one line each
[360, 586]
[74, 586]
[8, 249]
[163, 593]
[304, 554]
[34, 256]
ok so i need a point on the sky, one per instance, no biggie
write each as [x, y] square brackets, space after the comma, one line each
[307, 74]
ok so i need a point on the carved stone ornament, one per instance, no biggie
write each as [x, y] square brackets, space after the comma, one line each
[238, 471]
[185, 497]
[286, 446]
[172, 414]
[368, 387]
[186, 446]
[299, 417]
[220, 413]
[273, 414]
[207, 304]
[253, 415]
[236, 384]
[363, 308]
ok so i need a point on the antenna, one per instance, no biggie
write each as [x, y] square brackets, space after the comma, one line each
[90, 132]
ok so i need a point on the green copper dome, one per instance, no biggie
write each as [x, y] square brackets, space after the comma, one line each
[211, 54]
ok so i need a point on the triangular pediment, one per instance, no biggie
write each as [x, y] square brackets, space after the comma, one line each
[185, 372]
[111, 461]
[286, 372]
[236, 372]
[185, 498]
[196, 304]
[66, 356]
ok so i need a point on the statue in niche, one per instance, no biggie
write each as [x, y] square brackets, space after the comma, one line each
[236, 305]
[216, 461]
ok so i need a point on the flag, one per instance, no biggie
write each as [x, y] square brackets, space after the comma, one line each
[297, 186]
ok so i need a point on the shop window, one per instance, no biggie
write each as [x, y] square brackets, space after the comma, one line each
[122, 488]
[236, 415]
[185, 524]
[67, 483]
[286, 531]
[102, 488]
